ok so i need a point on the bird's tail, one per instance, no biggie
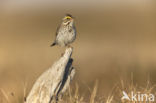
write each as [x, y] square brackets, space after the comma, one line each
[53, 44]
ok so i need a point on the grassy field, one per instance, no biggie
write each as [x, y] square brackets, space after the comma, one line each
[114, 50]
[73, 94]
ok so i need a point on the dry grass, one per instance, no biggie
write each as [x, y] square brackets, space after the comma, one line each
[73, 94]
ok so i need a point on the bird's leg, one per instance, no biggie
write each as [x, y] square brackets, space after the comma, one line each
[68, 46]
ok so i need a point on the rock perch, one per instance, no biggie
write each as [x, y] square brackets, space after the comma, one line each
[53, 82]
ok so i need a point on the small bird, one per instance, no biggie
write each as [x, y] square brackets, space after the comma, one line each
[66, 32]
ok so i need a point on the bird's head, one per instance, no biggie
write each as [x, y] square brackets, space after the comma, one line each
[68, 20]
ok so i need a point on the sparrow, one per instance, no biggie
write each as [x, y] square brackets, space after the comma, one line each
[66, 32]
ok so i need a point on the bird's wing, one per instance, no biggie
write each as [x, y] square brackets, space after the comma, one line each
[57, 30]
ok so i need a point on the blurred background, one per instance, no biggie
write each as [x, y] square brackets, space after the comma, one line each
[115, 39]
